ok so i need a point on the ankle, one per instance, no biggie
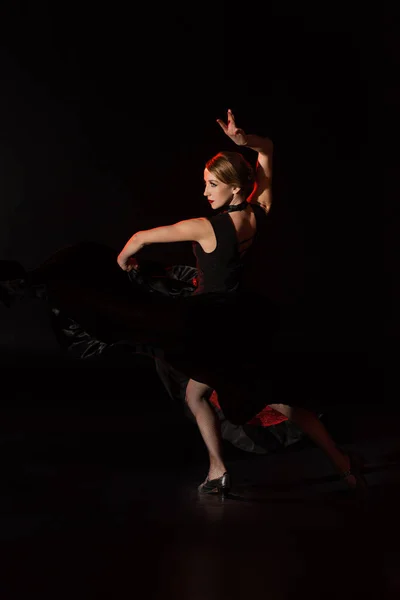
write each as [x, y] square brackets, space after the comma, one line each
[216, 471]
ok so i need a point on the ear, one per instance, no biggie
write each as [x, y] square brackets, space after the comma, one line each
[236, 190]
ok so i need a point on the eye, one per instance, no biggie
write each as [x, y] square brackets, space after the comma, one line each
[213, 184]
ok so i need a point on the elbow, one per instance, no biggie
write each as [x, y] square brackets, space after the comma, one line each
[139, 239]
[268, 147]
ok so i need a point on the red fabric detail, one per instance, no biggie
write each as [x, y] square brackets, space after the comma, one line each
[265, 418]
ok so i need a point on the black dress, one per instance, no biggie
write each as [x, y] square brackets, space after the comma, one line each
[186, 312]
[184, 316]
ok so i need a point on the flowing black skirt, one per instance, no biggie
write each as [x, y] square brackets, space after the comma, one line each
[238, 344]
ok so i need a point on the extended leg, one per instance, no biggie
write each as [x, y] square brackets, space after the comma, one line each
[309, 423]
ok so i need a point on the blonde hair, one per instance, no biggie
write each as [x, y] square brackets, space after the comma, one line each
[233, 169]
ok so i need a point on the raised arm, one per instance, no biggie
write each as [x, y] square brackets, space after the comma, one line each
[262, 193]
[190, 230]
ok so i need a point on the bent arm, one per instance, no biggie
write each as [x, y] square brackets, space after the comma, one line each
[262, 193]
[190, 230]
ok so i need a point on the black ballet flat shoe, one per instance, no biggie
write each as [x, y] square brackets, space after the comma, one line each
[220, 486]
[356, 467]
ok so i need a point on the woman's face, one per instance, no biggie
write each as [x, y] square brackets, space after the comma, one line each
[217, 193]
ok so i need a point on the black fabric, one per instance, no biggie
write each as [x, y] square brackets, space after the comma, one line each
[249, 438]
[177, 280]
[250, 366]
[220, 271]
[273, 367]
[11, 269]
[194, 331]
[236, 207]
[26, 322]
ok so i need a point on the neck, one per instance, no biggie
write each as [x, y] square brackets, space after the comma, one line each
[233, 207]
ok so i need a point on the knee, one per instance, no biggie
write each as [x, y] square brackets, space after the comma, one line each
[194, 401]
[284, 409]
[191, 399]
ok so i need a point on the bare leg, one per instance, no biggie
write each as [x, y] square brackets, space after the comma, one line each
[312, 426]
[208, 424]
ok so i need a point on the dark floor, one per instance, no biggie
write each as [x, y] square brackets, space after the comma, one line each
[99, 501]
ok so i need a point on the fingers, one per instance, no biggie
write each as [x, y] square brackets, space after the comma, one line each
[227, 128]
[222, 125]
[122, 264]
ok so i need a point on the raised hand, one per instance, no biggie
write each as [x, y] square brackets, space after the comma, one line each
[237, 135]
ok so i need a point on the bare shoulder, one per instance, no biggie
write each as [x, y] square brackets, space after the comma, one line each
[197, 229]
[200, 224]
[204, 228]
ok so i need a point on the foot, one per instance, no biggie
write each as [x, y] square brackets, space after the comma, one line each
[218, 485]
[350, 471]
[346, 472]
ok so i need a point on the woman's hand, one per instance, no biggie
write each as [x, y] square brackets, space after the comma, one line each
[237, 135]
[127, 263]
